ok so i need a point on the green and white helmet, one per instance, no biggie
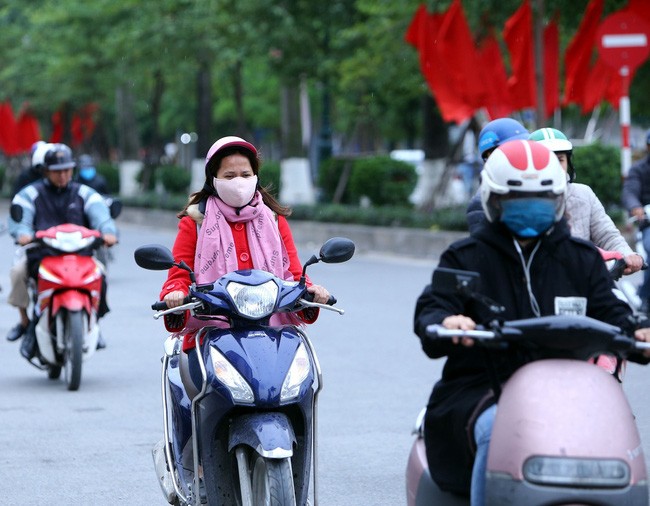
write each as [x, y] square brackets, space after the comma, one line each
[557, 142]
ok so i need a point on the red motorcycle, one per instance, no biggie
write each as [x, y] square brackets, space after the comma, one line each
[68, 295]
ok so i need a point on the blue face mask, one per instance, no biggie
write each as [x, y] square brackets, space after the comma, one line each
[528, 217]
[87, 173]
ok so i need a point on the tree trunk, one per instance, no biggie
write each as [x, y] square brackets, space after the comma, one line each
[238, 86]
[204, 110]
[290, 121]
[127, 126]
[435, 141]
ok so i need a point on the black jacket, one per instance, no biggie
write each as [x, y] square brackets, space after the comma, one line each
[562, 266]
[636, 187]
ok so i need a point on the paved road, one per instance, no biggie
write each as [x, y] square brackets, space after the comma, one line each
[92, 446]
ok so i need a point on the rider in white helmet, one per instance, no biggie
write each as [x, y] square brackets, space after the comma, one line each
[527, 261]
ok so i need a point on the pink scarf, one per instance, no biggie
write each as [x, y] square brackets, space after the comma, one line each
[215, 247]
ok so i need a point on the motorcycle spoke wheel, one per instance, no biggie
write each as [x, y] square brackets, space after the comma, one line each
[273, 482]
[73, 339]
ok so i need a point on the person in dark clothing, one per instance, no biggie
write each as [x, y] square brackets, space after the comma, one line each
[53, 200]
[636, 195]
[35, 170]
[89, 176]
[492, 135]
[529, 264]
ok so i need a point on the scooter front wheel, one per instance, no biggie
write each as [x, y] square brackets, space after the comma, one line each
[73, 339]
[273, 482]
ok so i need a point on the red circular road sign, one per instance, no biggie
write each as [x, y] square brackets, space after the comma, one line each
[623, 40]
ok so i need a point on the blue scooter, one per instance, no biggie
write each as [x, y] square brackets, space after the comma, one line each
[240, 415]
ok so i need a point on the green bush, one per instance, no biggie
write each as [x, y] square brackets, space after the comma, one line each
[270, 177]
[174, 179]
[380, 178]
[112, 175]
[329, 175]
[599, 166]
[386, 182]
[387, 216]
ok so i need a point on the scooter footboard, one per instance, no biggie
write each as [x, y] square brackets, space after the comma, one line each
[268, 433]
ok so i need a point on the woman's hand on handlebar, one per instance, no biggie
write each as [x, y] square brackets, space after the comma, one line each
[634, 263]
[320, 293]
[460, 322]
[175, 298]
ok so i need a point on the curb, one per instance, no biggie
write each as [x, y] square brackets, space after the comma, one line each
[405, 242]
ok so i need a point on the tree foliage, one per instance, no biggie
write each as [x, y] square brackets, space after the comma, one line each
[64, 54]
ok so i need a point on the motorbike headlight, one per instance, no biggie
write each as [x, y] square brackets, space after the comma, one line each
[298, 372]
[562, 471]
[228, 375]
[254, 301]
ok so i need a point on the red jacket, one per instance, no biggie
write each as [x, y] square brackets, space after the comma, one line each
[185, 248]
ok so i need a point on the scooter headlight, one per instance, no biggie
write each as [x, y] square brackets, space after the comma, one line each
[298, 373]
[588, 473]
[254, 301]
[228, 375]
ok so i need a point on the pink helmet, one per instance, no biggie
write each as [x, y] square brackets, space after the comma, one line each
[227, 142]
[522, 166]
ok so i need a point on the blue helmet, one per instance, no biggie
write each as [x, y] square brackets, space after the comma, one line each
[498, 131]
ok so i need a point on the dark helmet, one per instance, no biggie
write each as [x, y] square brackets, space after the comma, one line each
[498, 131]
[58, 157]
[86, 161]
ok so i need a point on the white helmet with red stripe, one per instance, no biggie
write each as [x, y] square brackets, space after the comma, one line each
[522, 168]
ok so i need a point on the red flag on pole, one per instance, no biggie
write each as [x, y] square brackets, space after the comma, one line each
[7, 130]
[551, 68]
[57, 127]
[518, 36]
[577, 59]
[423, 34]
[492, 74]
[457, 52]
[27, 131]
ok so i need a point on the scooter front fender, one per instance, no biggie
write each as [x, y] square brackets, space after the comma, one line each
[270, 434]
[72, 300]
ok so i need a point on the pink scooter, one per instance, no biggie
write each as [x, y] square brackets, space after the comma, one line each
[564, 433]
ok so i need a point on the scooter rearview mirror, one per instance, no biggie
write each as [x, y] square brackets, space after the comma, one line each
[154, 257]
[337, 250]
[455, 281]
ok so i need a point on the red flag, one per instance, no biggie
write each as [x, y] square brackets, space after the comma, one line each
[457, 51]
[423, 34]
[518, 36]
[551, 68]
[602, 81]
[27, 131]
[57, 127]
[7, 130]
[492, 73]
[577, 59]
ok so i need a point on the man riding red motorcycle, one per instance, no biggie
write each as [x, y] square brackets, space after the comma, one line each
[53, 200]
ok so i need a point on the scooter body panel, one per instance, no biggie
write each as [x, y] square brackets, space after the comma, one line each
[421, 490]
[565, 409]
[72, 283]
[262, 356]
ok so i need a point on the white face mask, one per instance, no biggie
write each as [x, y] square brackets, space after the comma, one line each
[236, 192]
